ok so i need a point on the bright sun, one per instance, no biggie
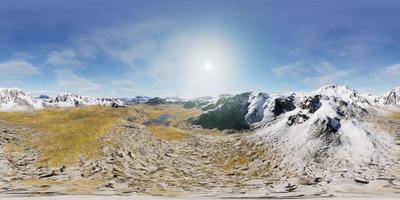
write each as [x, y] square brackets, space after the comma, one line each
[207, 67]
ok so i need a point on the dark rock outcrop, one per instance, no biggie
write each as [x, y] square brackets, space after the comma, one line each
[282, 104]
[311, 104]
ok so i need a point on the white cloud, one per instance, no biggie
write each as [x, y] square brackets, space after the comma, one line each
[11, 83]
[291, 70]
[124, 86]
[389, 75]
[127, 43]
[21, 55]
[326, 73]
[318, 74]
[70, 82]
[18, 68]
[392, 70]
[63, 58]
[155, 53]
[329, 78]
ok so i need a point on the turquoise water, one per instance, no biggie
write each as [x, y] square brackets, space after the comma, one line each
[160, 121]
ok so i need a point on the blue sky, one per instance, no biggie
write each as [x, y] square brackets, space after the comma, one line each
[196, 48]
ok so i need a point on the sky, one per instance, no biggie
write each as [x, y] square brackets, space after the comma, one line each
[188, 48]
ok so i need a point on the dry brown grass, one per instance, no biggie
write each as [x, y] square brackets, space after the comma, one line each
[168, 133]
[177, 114]
[397, 115]
[238, 161]
[64, 135]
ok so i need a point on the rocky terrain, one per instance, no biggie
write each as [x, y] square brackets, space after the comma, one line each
[332, 142]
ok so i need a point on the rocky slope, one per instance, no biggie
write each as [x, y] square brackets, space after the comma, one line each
[328, 133]
[325, 132]
[226, 113]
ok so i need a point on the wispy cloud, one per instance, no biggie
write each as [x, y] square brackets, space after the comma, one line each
[127, 44]
[320, 73]
[326, 73]
[291, 70]
[17, 68]
[155, 52]
[70, 82]
[66, 57]
[389, 74]
[125, 86]
[11, 83]
[392, 70]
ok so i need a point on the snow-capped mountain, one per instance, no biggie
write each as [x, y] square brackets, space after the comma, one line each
[145, 99]
[329, 128]
[392, 97]
[74, 100]
[15, 99]
[173, 99]
[135, 100]
[325, 129]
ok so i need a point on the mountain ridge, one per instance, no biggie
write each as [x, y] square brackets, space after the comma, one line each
[16, 99]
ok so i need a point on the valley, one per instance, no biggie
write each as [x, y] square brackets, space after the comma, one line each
[329, 143]
[157, 160]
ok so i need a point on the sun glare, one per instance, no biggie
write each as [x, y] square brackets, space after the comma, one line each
[208, 67]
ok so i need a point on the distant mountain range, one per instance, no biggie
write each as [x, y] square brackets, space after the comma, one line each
[14, 99]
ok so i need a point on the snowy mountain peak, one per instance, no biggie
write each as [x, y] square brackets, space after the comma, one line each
[392, 97]
[16, 99]
[342, 92]
[74, 100]
[334, 90]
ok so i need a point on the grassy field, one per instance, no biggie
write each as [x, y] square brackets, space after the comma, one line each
[178, 115]
[397, 115]
[62, 136]
[168, 133]
[240, 160]
[177, 112]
